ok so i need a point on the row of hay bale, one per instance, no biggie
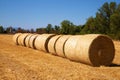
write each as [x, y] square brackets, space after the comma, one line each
[92, 49]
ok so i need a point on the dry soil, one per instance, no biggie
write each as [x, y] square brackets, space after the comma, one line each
[22, 63]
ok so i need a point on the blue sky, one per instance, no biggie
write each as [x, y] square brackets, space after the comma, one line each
[38, 13]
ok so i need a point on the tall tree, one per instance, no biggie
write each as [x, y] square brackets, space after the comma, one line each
[90, 26]
[115, 25]
[49, 28]
[9, 29]
[1, 29]
[106, 21]
[78, 29]
[32, 30]
[103, 17]
[57, 29]
[67, 27]
[41, 30]
[19, 30]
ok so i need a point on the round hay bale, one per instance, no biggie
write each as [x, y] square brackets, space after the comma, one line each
[41, 42]
[37, 42]
[21, 39]
[15, 38]
[27, 40]
[32, 41]
[51, 44]
[59, 46]
[93, 49]
[70, 47]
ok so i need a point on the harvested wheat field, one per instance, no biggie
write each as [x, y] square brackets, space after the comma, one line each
[23, 63]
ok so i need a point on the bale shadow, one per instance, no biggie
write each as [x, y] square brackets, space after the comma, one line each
[114, 65]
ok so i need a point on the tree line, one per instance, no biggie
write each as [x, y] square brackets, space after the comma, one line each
[106, 21]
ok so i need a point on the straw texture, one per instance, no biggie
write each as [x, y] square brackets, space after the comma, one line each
[32, 41]
[70, 47]
[52, 43]
[21, 39]
[59, 46]
[101, 51]
[15, 38]
[41, 42]
[93, 49]
[27, 40]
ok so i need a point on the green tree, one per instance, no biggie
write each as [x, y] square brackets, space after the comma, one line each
[101, 23]
[9, 29]
[40, 30]
[67, 27]
[103, 17]
[57, 29]
[19, 30]
[90, 26]
[32, 30]
[1, 29]
[115, 25]
[49, 28]
[106, 21]
[78, 29]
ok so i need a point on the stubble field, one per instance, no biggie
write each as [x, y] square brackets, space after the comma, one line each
[22, 63]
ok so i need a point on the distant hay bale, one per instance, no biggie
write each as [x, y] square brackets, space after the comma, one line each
[52, 43]
[70, 47]
[92, 49]
[32, 41]
[21, 39]
[41, 42]
[27, 40]
[15, 38]
[59, 46]
[37, 43]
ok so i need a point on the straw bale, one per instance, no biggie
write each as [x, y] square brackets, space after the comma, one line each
[27, 40]
[32, 41]
[70, 47]
[59, 46]
[51, 44]
[41, 42]
[15, 38]
[21, 39]
[93, 49]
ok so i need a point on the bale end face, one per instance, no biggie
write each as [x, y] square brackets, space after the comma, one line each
[101, 51]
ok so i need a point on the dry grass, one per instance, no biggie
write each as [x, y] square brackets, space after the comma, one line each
[117, 51]
[22, 63]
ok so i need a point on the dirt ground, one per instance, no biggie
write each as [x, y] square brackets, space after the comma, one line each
[22, 63]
